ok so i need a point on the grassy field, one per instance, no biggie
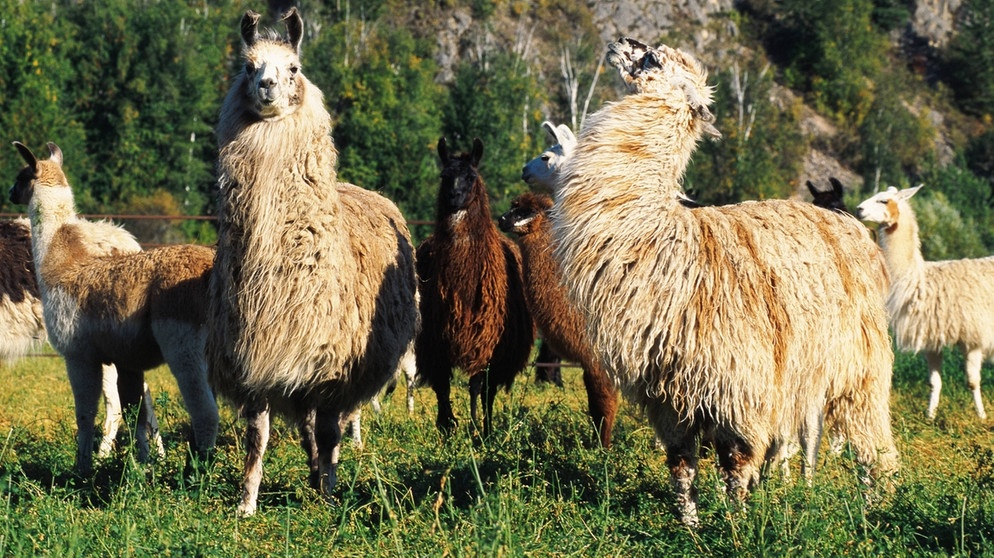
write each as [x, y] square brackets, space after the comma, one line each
[537, 488]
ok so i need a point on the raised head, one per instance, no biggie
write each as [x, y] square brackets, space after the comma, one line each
[274, 84]
[526, 215]
[885, 208]
[37, 173]
[541, 172]
[829, 199]
[666, 71]
[461, 182]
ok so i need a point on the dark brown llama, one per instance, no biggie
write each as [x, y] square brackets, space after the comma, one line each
[474, 314]
[829, 199]
[560, 323]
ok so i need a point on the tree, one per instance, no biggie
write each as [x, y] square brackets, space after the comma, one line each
[970, 58]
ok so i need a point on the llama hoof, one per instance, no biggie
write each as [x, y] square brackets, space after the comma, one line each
[246, 509]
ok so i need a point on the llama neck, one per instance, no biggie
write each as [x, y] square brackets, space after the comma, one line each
[536, 253]
[50, 208]
[902, 247]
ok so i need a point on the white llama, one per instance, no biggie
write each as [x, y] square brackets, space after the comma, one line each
[933, 304]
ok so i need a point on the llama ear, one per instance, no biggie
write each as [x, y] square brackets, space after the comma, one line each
[836, 186]
[906, 193]
[811, 188]
[294, 28]
[250, 28]
[550, 128]
[54, 153]
[443, 151]
[26, 154]
[565, 135]
[477, 151]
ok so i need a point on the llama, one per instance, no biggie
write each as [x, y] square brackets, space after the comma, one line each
[560, 323]
[313, 294]
[933, 304]
[540, 173]
[136, 309]
[22, 321]
[708, 318]
[472, 297]
[829, 199]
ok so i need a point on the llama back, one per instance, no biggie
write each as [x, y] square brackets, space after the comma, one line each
[22, 324]
[963, 288]
[749, 265]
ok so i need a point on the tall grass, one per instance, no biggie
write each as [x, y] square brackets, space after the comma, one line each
[538, 487]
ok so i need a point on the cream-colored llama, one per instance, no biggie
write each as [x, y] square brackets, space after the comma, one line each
[713, 319]
[313, 300]
[135, 309]
[933, 304]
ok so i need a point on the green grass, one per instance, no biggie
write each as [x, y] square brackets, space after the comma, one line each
[537, 488]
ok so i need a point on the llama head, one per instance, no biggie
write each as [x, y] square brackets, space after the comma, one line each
[829, 199]
[541, 172]
[665, 71]
[460, 176]
[526, 214]
[47, 173]
[885, 208]
[274, 84]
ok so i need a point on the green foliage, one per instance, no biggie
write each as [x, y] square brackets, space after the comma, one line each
[759, 155]
[963, 221]
[381, 87]
[969, 58]
[36, 77]
[893, 143]
[491, 99]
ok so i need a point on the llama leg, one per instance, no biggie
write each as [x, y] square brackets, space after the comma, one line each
[184, 350]
[934, 369]
[974, 360]
[152, 423]
[810, 440]
[256, 415]
[602, 402]
[552, 374]
[356, 428]
[85, 380]
[445, 421]
[310, 445]
[112, 408]
[476, 383]
[328, 432]
[681, 443]
[739, 465]
[409, 365]
[130, 384]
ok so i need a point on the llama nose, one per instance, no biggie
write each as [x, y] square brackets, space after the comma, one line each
[266, 83]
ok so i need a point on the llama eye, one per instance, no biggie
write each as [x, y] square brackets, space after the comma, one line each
[294, 70]
[250, 69]
[545, 158]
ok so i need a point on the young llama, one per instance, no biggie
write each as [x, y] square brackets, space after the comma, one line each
[708, 317]
[560, 323]
[473, 303]
[933, 304]
[313, 295]
[22, 321]
[136, 309]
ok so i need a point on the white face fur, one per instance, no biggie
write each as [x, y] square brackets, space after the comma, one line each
[273, 79]
[541, 172]
[884, 207]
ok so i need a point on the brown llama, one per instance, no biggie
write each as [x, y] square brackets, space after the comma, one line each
[560, 323]
[22, 320]
[137, 310]
[475, 315]
[313, 295]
